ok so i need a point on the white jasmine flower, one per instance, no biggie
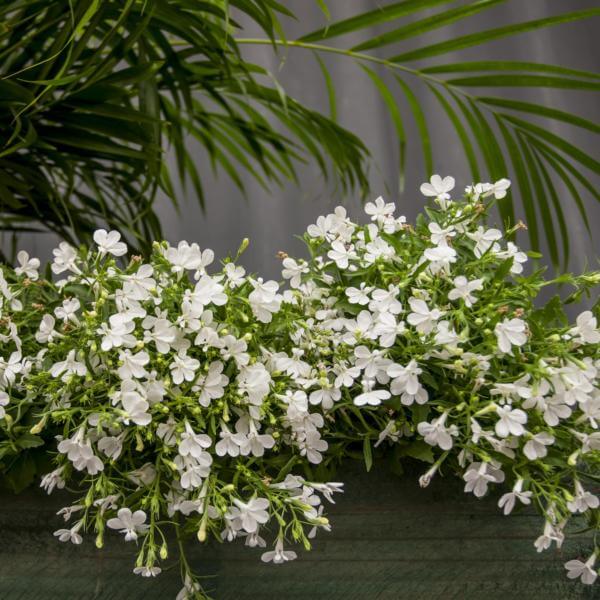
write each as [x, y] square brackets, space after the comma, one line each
[484, 239]
[507, 501]
[584, 570]
[128, 523]
[27, 266]
[463, 288]
[510, 421]
[279, 555]
[108, 243]
[509, 333]
[536, 447]
[248, 515]
[421, 317]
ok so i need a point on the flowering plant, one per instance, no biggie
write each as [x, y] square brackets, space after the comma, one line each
[216, 403]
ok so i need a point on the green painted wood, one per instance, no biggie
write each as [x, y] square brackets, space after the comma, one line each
[391, 540]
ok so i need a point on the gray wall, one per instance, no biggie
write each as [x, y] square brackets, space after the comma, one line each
[271, 220]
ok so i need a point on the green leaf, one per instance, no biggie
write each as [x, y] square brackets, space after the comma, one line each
[421, 123]
[428, 24]
[396, 117]
[481, 37]
[513, 80]
[29, 440]
[383, 14]
[419, 450]
[367, 454]
[542, 111]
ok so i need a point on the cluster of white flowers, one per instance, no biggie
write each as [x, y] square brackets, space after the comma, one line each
[435, 337]
[179, 395]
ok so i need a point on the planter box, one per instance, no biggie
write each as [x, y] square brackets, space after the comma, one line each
[390, 540]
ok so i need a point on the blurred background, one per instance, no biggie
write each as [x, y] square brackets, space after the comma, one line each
[271, 220]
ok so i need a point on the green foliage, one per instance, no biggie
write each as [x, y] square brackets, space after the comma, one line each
[95, 95]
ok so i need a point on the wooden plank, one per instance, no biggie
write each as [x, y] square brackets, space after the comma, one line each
[390, 540]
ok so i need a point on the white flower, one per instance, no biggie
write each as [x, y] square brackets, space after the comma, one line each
[438, 187]
[584, 570]
[387, 329]
[208, 291]
[499, 188]
[230, 442]
[118, 333]
[160, 331]
[264, 299]
[440, 257]
[188, 257]
[380, 210]
[406, 382]
[254, 443]
[111, 446]
[10, 368]
[536, 447]
[583, 500]
[385, 301]
[510, 421]
[27, 266]
[439, 236]
[341, 254]
[108, 242]
[421, 317]
[65, 258]
[68, 310]
[586, 331]
[293, 271]
[183, 368]
[519, 258]
[254, 381]
[46, 332]
[132, 365]
[129, 523]
[212, 385]
[134, 405]
[70, 535]
[4, 400]
[193, 444]
[436, 433]
[479, 475]
[510, 332]
[507, 501]
[234, 274]
[147, 571]
[279, 555]
[463, 288]
[69, 366]
[484, 239]
[248, 516]
[369, 395]
[359, 295]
